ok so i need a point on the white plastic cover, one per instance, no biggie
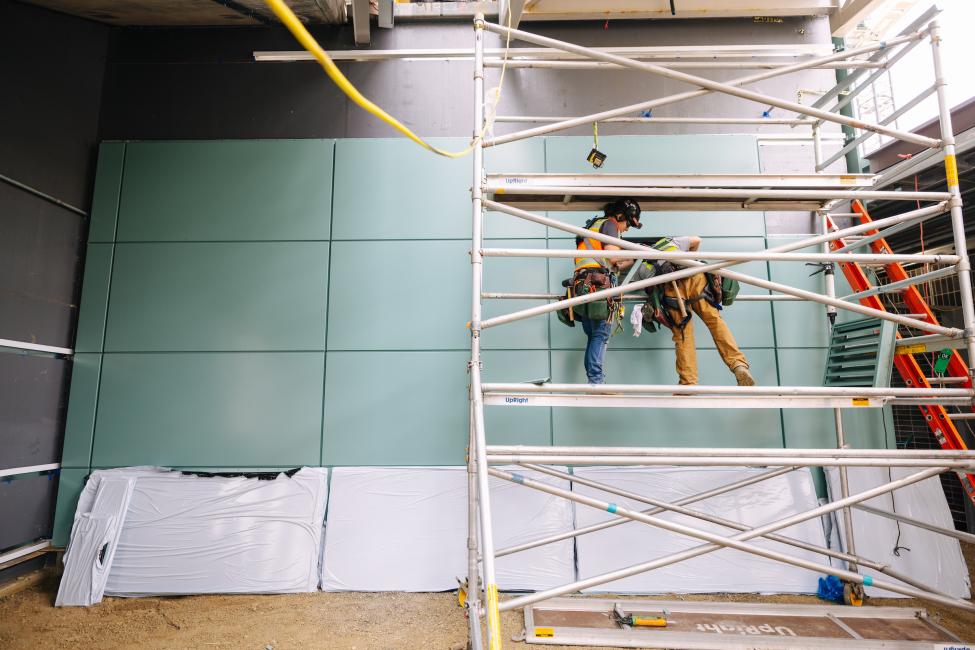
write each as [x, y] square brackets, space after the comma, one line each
[405, 529]
[930, 558]
[95, 532]
[187, 534]
[725, 570]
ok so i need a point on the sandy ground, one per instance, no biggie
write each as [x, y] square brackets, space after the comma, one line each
[383, 621]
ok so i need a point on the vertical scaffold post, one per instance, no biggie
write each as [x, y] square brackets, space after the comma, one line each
[830, 281]
[476, 398]
[957, 220]
[817, 148]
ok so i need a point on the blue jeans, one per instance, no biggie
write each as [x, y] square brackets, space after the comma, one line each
[597, 335]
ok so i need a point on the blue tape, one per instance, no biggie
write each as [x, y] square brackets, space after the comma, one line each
[517, 478]
[611, 508]
[867, 581]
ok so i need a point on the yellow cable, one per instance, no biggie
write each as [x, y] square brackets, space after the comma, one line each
[308, 42]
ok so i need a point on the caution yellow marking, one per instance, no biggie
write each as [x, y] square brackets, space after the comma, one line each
[493, 616]
[951, 170]
[912, 349]
[547, 632]
[848, 180]
[860, 401]
[499, 190]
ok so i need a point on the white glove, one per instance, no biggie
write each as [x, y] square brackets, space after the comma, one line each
[636, 319]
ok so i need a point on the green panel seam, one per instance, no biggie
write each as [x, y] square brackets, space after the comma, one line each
[775, 352]
[328, 298]
[108, 299]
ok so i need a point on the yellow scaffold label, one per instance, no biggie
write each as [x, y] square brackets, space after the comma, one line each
[951, 170]
[912, 349]
[861, 401]
[493, 616]
[848, 180]
[547, 632]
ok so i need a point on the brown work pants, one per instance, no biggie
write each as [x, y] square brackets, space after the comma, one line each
[690, 288]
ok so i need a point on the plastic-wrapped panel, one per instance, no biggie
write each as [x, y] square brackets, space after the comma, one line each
[94, 539]
[930, 558]
[196, 535]
[724, 570]
[404, 529]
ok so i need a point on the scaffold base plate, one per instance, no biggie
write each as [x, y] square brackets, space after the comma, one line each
[699, 625]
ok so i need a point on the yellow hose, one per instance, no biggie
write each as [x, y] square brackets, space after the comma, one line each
[307, 41]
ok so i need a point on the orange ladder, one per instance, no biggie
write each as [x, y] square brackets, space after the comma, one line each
[935, 415]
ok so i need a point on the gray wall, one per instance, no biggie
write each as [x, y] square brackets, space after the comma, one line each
[48, 132]
[204, 83]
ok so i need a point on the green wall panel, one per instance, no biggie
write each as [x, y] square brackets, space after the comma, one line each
[94, 298]
[802, 324]
[750, 322]
[70, 484]
[656, 154]
[395, 408]
[814, 428]
[410, 408]
[79, 429]
[413, 194]
[108, 187]
[229, 410]
[664, 427]
[423, 300]
[226, 190]
[213, 296]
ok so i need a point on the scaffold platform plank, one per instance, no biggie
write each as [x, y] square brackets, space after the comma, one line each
[556, 191]
[699, 625]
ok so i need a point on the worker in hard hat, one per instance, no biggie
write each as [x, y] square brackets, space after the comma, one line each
[703, 294]
[596, 273]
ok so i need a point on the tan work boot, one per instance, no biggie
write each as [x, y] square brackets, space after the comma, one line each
[743, 377]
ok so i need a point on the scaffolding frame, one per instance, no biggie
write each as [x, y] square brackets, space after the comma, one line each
[514, 194]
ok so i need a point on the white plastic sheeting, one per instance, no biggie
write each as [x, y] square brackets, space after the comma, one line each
[405, 529]
[928, 557]
[725, 570]
[95, 533]
[186, 534]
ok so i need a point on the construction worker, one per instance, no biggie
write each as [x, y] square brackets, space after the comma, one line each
[592, 274]
[673, 304]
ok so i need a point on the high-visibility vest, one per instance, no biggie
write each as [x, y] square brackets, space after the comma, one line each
[588, 244]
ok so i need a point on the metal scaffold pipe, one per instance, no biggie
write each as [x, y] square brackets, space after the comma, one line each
[576, 532]
[482, 499]
[708, 84]
[718, 268]
[698, 389]
[742, 461]
[716, 542]
[725, 256]
[957, 218]
[850, 558]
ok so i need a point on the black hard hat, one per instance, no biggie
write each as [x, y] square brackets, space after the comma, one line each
[630, 209]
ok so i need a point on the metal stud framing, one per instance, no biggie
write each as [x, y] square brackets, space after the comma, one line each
[517, 194]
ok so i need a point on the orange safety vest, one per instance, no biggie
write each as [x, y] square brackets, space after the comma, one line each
[588, 244]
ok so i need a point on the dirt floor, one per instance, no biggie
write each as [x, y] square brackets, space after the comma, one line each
[384, 621]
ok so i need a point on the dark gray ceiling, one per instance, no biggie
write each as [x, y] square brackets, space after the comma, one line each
[192, 12]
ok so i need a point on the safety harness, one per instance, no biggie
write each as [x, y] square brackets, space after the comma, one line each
[666, 310]
[591, 275]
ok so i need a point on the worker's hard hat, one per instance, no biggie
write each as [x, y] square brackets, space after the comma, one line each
[630, 209]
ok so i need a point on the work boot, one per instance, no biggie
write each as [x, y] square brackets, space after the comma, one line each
[743, 377]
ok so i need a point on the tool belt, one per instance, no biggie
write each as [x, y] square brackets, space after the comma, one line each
[586, 281]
